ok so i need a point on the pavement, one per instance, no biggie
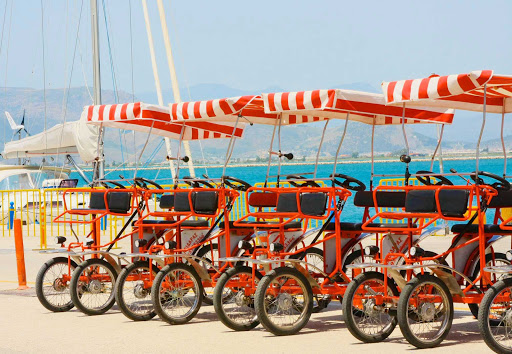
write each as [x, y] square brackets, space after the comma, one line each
[26, 326]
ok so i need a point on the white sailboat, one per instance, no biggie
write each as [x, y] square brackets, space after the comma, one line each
[32, 185]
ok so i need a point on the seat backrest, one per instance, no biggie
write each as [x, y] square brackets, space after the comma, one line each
[167, 201]
[206, 202]
[263, 199]
[97, 201]
[453, 202]
[119, 202]
[420, 201]
[313, 204]
[287, 203]
[502, 200]
[384, 199]
[182, 202]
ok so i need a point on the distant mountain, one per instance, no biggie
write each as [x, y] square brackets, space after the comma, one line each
[302, 140]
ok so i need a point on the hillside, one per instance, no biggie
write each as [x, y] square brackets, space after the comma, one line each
[302, 140]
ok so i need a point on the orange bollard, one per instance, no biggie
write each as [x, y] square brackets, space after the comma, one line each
[20, 255]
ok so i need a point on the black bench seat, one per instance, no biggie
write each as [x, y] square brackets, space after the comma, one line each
[473, 229]
[186, 223]
[358, 226]
[290, 225]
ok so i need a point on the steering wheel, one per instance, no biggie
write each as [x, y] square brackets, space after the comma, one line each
[243, 186]
[143, 182]
[502, 184]
[195, 182]
[346, 183]
[116, 184]
[303, 184]
[428, 182]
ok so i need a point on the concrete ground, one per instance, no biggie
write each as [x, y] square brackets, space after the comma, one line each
[26, 326]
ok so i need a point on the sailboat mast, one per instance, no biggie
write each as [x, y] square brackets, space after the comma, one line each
[174, 79]
[100, 164]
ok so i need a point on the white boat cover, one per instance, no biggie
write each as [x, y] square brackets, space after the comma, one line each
[69, 138]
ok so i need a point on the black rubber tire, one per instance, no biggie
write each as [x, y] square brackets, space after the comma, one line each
[203, 251]
[474, 308]
[403, 310]
[39, 284]
[218, 299]
[73, 287]
[120, 282]
[348, 312]
[260, 301]
[483, 315]
[155, 293]
[319, 302]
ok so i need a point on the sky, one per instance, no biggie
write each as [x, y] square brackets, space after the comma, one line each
[249, 45]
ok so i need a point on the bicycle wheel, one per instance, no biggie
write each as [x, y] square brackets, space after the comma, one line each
[425, 311]
[233, 298]
[495, 316]
[177, 293]
[133, 291]
[284, 301]
[367, 319]
[52, 289]
[92, 286]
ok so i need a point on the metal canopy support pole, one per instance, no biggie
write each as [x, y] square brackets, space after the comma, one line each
[339, 145]
[438, 148]
[481, 129]
[174, 79]
[502, 139]
[279, 148]
[440, 134]
[404, 132]
[99, 169]
[179, 155]
[270, 151]
[157, 81]
[373, 153]
[320, 147]
[231, 146]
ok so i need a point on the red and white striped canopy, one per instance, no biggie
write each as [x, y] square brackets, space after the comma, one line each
[223, 109]
[306, 107]
[463, 91]
[157, 120]
[369, 108]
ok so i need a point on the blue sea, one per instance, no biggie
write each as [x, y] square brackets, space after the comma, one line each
[360, 171]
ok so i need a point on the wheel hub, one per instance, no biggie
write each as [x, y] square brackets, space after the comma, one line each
[95, 287]
[241, 299]
[370, 307]
[139, 291]
[427, 311]
[58, 285]
[508, 317]
[285, 302]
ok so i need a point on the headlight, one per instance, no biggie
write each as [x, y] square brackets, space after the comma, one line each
[509, 255]
[417, 251]
[169, 245]
[60, 240]
[371, 250]
[276, 247]
[140, 242]
[244, 245]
